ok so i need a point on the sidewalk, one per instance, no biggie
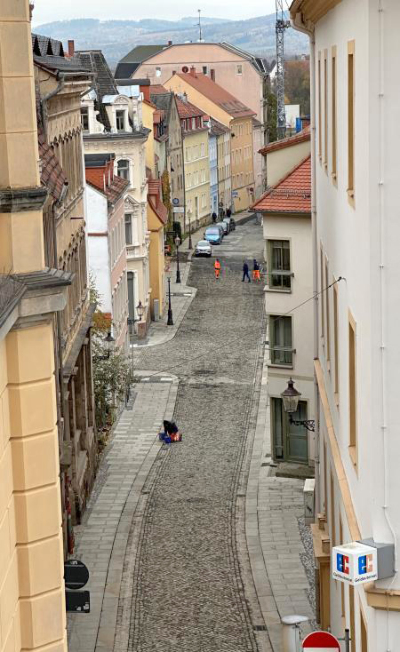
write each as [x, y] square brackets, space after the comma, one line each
[116, 502]
[279, 544]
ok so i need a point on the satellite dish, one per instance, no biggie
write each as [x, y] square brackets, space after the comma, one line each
[185, 69]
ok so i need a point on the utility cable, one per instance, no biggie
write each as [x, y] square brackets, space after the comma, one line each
[230, 342]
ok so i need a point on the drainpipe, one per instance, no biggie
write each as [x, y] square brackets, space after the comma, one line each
[301, 27]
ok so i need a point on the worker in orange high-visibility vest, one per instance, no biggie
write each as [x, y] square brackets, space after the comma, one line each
[217, 268]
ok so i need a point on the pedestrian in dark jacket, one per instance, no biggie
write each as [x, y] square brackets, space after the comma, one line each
[228, 212]
[246, 272]
[214, 217]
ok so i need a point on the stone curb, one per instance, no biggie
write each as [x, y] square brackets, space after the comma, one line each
[261, 444]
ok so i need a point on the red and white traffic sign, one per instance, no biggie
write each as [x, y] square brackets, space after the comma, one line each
[321, 642]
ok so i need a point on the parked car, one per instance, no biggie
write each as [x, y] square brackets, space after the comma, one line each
[225, 226]
[230, 222]
[213, 234]
[203, 248]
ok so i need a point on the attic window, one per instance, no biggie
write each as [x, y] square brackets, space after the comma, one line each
[85, 118]
[120, 120]
[158, 72]
[123, 169]
[239, 69]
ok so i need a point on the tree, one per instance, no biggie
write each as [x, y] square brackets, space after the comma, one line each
[297, 84]
[166, 197]
[112, 370]
[271, 117]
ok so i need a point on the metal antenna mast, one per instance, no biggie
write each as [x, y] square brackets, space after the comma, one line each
[199, 24]
[280, 26]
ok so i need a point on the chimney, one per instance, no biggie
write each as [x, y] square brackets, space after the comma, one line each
[193, 71]
[31, 8]
[146, 92]
[169, 42]
[71, 48]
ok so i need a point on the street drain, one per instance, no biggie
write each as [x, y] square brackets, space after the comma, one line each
[260, 628]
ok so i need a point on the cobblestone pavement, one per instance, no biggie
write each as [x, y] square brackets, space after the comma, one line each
[188, 592]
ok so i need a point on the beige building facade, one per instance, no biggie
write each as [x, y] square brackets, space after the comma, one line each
[60, 80]
[32, 603]
[228, 110]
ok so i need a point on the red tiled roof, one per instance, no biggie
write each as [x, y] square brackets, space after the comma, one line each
[52, 175]
[216, 94]
[158, 89]
[291, 195]
[187, 109]
[113, 192]
[301, 137]
[154, 199]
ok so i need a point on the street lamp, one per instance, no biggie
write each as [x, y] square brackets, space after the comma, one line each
[109, 342]
[178, 271]
[190, 246]
[170, 321]
[290, 398]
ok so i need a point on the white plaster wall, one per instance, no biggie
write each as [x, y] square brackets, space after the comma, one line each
[282, 161]
[361, 243]
[98, 251]
[298, 231]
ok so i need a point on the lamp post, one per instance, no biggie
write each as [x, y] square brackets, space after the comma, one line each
[178, 271]
[109, 342]
[190, 246]
[170, 321]
[290, 398]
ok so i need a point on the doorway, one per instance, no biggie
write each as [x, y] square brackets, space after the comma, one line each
[290, 442]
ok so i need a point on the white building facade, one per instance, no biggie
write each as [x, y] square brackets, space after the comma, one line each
[356, 169]
[112, 124]
[286, 213]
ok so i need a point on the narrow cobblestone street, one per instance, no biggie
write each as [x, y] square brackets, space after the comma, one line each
[177, 560]
[189, 593]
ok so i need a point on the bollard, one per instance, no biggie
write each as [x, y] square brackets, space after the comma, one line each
[291, 632]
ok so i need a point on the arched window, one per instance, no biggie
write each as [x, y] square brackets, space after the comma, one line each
[123, 169]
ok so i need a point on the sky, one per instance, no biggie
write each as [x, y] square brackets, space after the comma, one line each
[47, 11]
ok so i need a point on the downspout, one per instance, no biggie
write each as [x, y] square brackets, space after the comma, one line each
[382, 303]
[301, 27]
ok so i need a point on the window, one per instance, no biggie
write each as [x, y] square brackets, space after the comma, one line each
[352, 390]
[334, 118]
[239, 69]
[85, 118]
[326, 108]
[319, 108]
[193, 123]
[203, 149]
[123, 169]
[205, 70]
[350, 118]
[281, 340]
[128, 228]
[158, 71]
[328, 328]
[336, 339]
[120, 120]
[279, 276]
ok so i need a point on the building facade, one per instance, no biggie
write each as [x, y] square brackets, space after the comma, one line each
[354, 53]
[196, 164]
[112, 122]
[224, 165]
[240, 73]
[216, 102]
[60, 80]
[213, 161]
[286, 212]
[31, 542]
[106, 197]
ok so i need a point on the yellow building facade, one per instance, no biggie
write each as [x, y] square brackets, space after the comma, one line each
[32, 604]
[214, 100]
